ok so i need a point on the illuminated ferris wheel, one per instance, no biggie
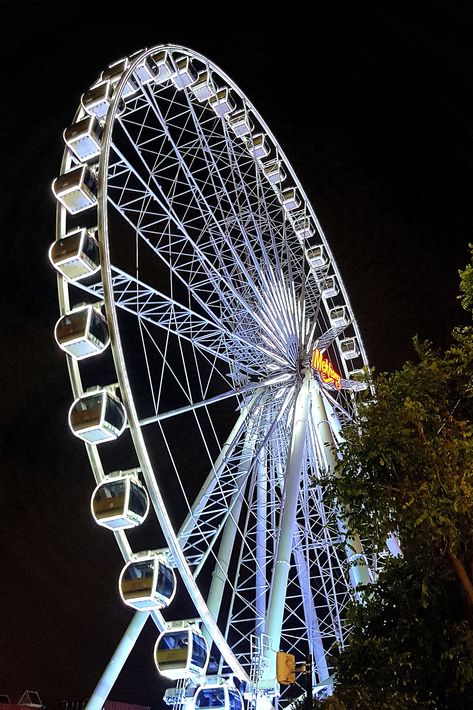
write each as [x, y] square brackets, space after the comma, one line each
[185, 242]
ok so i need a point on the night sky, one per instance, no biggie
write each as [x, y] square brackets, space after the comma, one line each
[371, 103]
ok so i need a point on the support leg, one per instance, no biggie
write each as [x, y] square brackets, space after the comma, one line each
[358, 568]
[282, 563]
[117, 661]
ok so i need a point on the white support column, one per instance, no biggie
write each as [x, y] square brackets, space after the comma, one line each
[358, 568]
[261, 533]
[316, 646]
[117, 661]
[287, 525]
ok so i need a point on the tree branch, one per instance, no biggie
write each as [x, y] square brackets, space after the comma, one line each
[462, 575]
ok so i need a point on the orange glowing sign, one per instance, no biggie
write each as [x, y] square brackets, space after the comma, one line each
[324, 368]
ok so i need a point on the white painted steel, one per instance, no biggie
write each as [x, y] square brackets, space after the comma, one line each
[213, 307]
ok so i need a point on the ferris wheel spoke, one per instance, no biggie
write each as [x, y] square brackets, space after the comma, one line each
[217, 496]
[190, 189]
[259, 198]
[279, 379]
[266, 276]
[214, 174]
[236, 184]
[147, 303]
[265, 211]
[248, 463]
[131, 211]
[239, 343]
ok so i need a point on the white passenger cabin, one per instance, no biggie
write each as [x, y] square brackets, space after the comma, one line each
[259, 146]
[162, 66]
[289, 199]
[240, 123]
[316, 257]
[145, 71]
[338, 316]
[82, 332]
[185, 74]
[273, 171]
[147, 584]
[120, 502]
[349, 349]
[218, 697]
[114, 73]
[76, 254]
[203, 87]
[222, 102]
[181, 653]
[83, 139]
[303, 227]
[76, 190]
[330, 287]
[96, 100]
[97, 417]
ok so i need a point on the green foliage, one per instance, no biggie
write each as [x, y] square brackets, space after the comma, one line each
[404, 653]
[406, 467]
[466, 285]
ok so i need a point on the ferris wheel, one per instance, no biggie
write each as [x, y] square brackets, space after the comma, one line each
[213, 356]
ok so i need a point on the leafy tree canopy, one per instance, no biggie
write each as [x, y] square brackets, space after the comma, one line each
[407, 467]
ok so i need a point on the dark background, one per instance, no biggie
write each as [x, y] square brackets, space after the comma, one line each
[371, 101]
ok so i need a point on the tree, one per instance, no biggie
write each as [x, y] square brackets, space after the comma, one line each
[407, 466]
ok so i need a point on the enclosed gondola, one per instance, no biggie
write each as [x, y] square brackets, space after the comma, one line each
[290, 200]
[349, 348]
[222, 102]
[96, 100]
[97, 417]
[303, 227]
[76, 190]
[273, 171]
[240, 123]
[83, 138]
[181, 653]
[185, 74]
[114, 73]
[76, 254]
[147, 583]
[120, 502]
[338, 317]
[203, 87]
[221, 697]
[316, 257]
[162, 66]
[259, 146]
[329, 287]
[83, 332]
[145, 70]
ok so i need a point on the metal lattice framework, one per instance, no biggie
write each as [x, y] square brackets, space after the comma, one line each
[214, 304]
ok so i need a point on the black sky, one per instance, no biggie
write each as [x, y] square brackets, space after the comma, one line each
[371, 101]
